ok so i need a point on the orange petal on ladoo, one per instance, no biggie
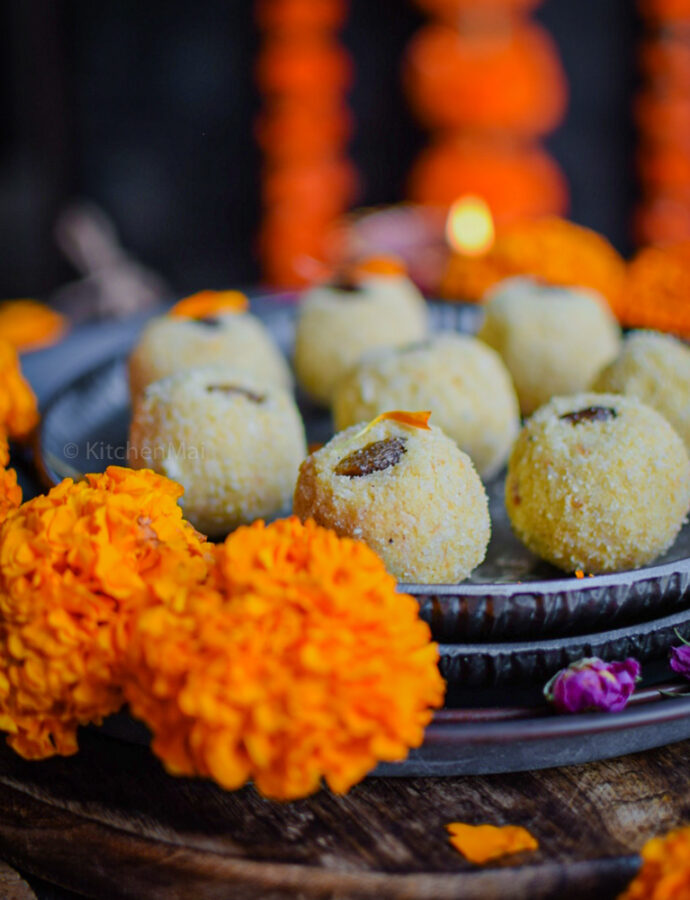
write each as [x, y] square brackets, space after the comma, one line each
[413, 419]
[379, 265]
[28, 324]
[481, 843]
[209, 303]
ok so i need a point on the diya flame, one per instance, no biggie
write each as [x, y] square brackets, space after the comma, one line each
[470, 226]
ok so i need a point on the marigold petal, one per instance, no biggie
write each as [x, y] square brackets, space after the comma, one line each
[411, 419]
[209, 303]
[481, 843]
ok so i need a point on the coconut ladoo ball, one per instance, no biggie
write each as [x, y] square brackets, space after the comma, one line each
[598, 482]
[553, 340]
[655, 368]
[212, 327]
[373, 305]
[234, 443]
[461, 379]
[406, 490]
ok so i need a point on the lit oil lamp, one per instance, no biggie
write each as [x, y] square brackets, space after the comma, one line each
[551, 249]
[470, 234]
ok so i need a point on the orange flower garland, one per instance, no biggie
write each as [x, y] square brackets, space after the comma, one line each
[657, 290]
[554, 250]
[489, 82]
[453, 9]
[18, 409]
[303, 74]
[517, 182]
[663, 119]
[302, 663]
[74, 566]
[665, 872]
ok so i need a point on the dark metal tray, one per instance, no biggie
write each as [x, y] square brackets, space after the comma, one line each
[512, 595]
[517, 738]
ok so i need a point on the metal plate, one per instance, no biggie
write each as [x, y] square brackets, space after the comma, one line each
[515, 739]
[511, 595]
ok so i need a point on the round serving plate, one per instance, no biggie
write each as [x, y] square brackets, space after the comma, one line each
[510, 738]
[511, 595]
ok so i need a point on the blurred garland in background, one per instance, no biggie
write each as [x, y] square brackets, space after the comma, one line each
[303, 74]
[662, 111]
[488, 83]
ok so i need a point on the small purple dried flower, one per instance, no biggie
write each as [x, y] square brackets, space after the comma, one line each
[592, 684]
[680, 657]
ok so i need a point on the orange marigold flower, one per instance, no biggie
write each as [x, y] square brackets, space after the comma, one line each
[10, 492]
[303, 663]
[552, 249]
[28, 324]
[74, 565]
[18, 409]
[665, 872]
[481, 843]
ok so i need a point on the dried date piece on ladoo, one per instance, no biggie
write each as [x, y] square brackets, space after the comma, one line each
[406, 490]
[598, 483]
[655, 368]
[233, 442]
[211, 327]
[553, 340]
[374, 304]
[462, 379]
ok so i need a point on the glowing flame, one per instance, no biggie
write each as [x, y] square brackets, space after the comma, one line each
[470, 226]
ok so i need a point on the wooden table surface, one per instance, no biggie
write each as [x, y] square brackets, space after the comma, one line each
[110, 823]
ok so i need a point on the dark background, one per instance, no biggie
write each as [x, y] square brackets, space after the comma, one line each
[146, 107]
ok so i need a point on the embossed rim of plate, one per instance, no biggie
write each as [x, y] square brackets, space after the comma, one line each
[535, 661]
[500, 611]
[535, 740]
[551, 586]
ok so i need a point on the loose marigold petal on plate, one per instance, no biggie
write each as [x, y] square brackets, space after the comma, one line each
[209, 303]
[412, 419]
[481, 843]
